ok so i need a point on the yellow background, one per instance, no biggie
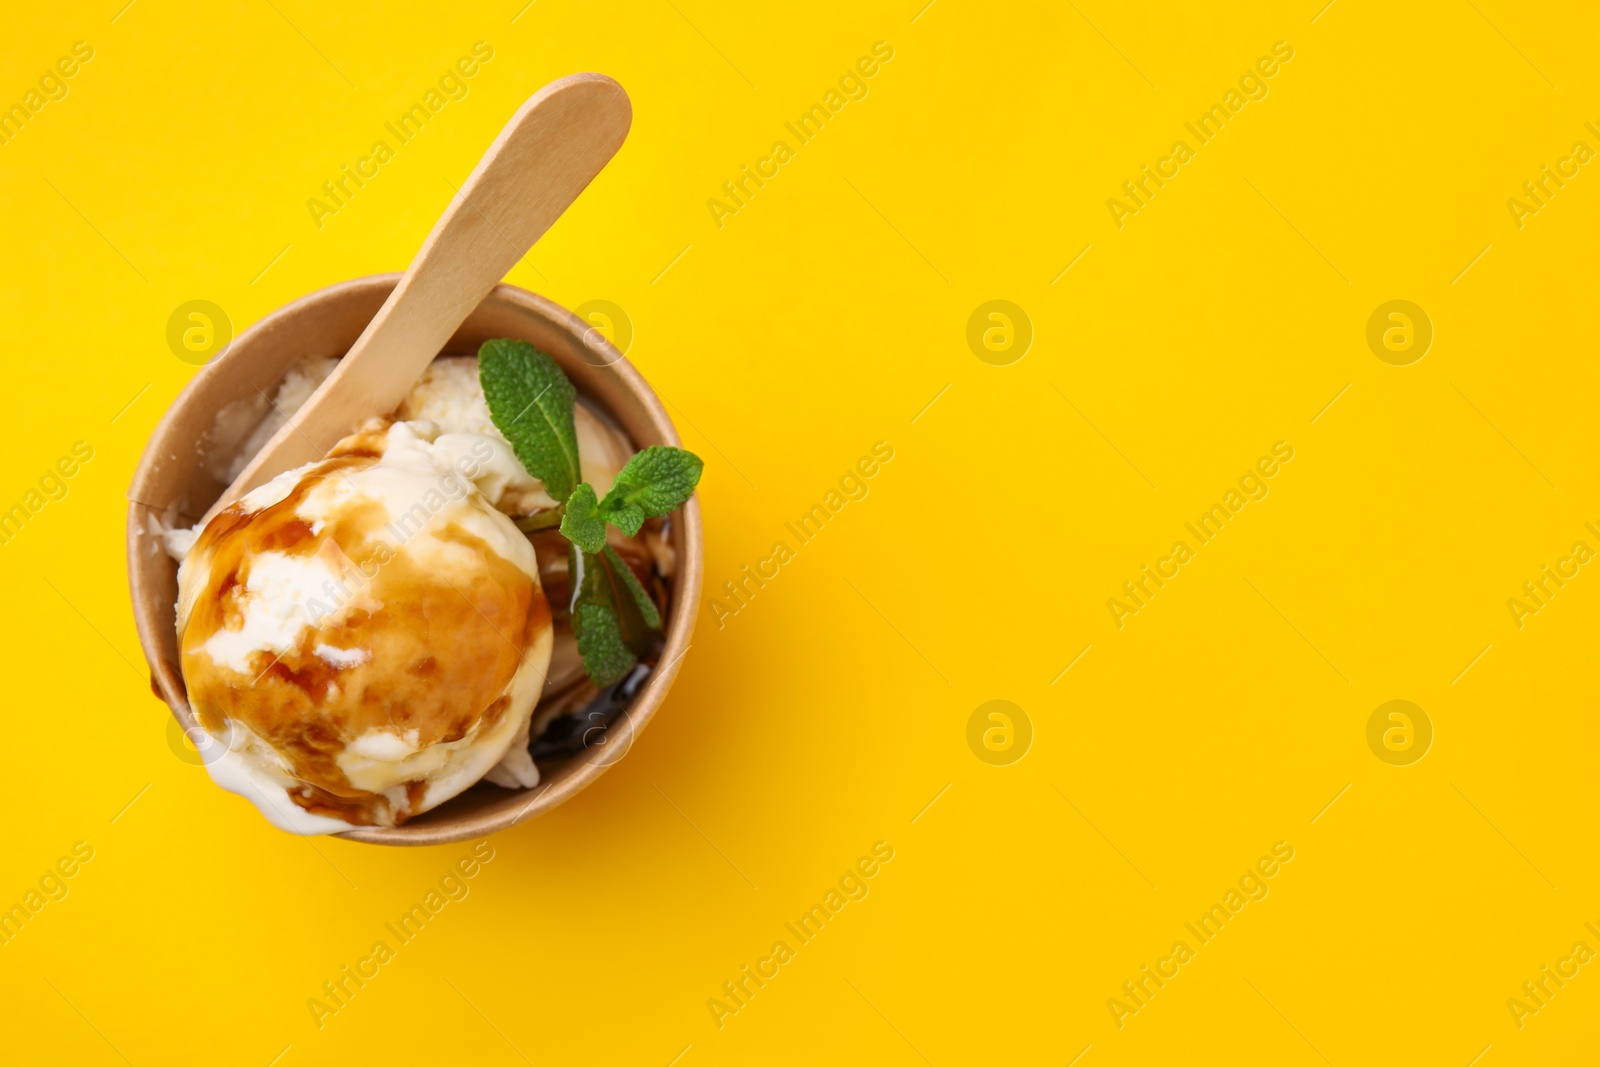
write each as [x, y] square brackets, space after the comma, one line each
[827, 714]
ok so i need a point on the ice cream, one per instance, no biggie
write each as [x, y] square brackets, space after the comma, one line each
[240, 429]
[449, 396]
[369, 635]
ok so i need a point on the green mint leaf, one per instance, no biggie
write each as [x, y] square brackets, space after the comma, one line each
[641, 599]
[531, 403]
[653, 483]
[583, 524]
[595, 622]
[605, 657]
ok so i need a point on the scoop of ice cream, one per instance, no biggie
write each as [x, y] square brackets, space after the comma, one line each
[450, 396]
[241, 429]
[367, 634]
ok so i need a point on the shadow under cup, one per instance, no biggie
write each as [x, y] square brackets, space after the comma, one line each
[172, 485]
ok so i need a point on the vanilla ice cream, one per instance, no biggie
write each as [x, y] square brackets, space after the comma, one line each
[450, 396]
[367, 634]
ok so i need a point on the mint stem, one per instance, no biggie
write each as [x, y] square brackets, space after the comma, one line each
[541, 520]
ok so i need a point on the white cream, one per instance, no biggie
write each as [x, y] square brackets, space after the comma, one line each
[449, 395]
[279, 590]
[343, 657]
[246, 765]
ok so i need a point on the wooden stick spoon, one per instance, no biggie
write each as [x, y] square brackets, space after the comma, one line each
[546, 155]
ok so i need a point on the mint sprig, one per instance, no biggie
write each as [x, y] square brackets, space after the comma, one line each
[531, 402]
[652, 483]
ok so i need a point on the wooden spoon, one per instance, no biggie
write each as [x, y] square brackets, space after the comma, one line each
[546, 155]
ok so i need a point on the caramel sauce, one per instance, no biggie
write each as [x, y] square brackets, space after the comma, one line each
[443, 647]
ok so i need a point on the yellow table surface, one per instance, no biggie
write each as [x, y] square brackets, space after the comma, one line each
[1158, 339]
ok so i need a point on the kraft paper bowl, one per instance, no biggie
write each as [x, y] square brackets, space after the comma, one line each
[172, 485]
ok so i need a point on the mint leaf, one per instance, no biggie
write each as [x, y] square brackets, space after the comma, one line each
[595, 622]
[583, 524]
[612, 616]
[641, 599]
[653, 483]
[606, 659]
[531, 402]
